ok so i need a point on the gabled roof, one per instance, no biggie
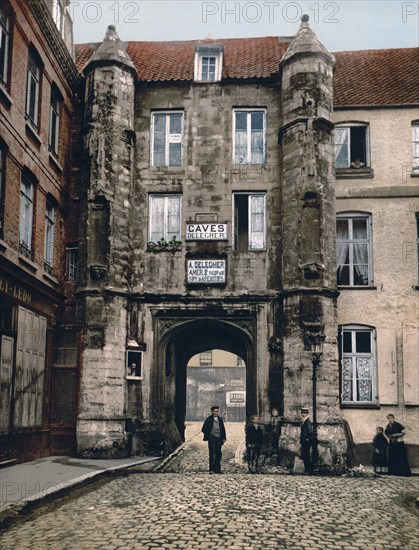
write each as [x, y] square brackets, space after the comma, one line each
[362, 78]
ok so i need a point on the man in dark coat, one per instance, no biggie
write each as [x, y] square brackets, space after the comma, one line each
[215, 433]
[306, 440]
[254, 442]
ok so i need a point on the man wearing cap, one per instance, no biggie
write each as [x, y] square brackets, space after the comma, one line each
[214, 432]
[306, 440]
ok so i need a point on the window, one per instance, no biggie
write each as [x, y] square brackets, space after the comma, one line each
[354, 249]
[49, 237]
[134, 363]
[4, 46]
[167, 139]
[208, 62]
[58, 15]
[66, 346]
[26, 215]
[165, 217]
[54, 120]
[249, 221]
[2, 182]
[72, 256]
[358, 364]
[205, 358]
[415, 146]
[249, 136]
[33, 88]
[351, 146]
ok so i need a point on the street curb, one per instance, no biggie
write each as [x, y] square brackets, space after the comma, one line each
[16, 509]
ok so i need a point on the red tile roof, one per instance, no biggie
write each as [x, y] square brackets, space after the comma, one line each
[362, 78]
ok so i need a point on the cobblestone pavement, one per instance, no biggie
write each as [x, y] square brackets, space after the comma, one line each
[183, 507]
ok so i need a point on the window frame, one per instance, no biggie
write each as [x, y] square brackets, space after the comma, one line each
[4, 46]
[350, 216]
[49, 240]
[165, 236]
[205, 358]
[249, 111]
[26, 214]
[72, 250]
[54, 120]
[33, 76]
[138, 373]
[210, 51]
[415, 147]
[354, 355]
[348, 125]
[249, 194]
[167, 142]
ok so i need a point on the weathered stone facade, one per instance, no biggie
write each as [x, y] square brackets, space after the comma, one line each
[272, 304]
[132, 291]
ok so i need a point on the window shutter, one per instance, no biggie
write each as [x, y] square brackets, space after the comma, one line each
[173, 218]
[387, 367]
[6, 366]
[411, 363]
[256, 222]
[156, 218]
[342, 147]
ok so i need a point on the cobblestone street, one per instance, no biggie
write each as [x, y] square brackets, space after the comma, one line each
[181, 506]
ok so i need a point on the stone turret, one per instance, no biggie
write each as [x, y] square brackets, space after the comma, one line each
[309, 291]
[105, 251]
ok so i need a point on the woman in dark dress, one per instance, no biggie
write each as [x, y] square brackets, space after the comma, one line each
[379, 457]
[398, 464]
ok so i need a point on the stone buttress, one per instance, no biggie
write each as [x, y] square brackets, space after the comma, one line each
[309, 291]
[105, 248]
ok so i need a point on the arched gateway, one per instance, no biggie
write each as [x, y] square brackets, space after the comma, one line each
[181, 341]
[203, 230]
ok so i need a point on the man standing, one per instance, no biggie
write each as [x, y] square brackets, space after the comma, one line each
[306, 440]
[214, 432]
[254, 442]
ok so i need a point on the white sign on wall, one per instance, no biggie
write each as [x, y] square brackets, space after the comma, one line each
[206, 232]
[206, 271]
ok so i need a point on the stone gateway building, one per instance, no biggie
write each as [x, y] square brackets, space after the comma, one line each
[256, 196]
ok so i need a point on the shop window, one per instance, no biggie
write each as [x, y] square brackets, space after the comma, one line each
[72, 251]
[164, 218]
[249, 136]
[354, 249]
[49, 237]
[415, 147]
[249, 221]
[167, 132]
[134, 364]
[205, 358]
[352, 146]
[30, 369]
[208, 62]
[4, 46]
[54, 120]
[33, 88]
[26, 215]
[358, 365]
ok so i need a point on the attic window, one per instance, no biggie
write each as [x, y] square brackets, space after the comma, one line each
[208, 63]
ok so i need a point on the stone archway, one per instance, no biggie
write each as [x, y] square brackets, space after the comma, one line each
[184, 340]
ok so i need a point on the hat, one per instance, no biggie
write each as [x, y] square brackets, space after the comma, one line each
[304, 410]
[215, 407]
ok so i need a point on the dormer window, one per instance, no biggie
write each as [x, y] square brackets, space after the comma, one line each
[208, 62]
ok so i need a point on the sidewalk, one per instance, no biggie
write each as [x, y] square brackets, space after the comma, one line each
[24, 484]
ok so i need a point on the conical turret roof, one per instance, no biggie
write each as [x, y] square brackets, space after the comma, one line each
[110, 51]
[306, 42]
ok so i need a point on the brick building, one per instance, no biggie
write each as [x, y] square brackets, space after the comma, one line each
[38, 81]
